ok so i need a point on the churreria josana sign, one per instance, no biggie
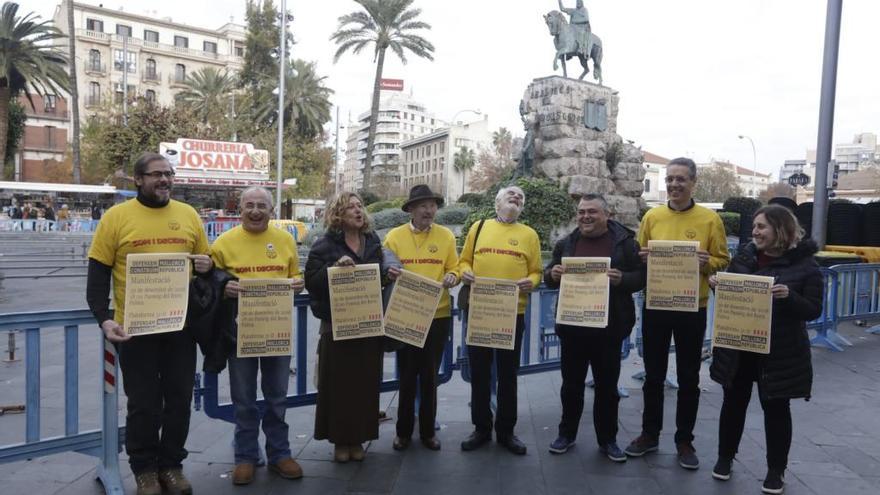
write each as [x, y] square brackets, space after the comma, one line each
[217, 162]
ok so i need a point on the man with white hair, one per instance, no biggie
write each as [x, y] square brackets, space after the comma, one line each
[254, 250]
[500, 248]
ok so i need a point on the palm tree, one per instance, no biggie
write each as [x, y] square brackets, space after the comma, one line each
[28, 61]
[381, 24]
[306, 100]
[502, 140]
[463, 160]
[206, 92]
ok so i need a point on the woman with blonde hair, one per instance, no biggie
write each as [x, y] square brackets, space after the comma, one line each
[349, 371]
[777, 250]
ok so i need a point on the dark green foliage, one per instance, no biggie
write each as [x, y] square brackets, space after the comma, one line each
[731, 222]
[390, 218]
[385, 204]
[452, 215]
[547, 207]
[368, 197]
[471, 199]
[15, 131]
[613, 155]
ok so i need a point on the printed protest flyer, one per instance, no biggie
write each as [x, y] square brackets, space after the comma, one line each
[156, 292]
[411, 308]
[743, 312]
[492, 313]
[584, 292]
[673, 276]
[265, 317]
[355, 301]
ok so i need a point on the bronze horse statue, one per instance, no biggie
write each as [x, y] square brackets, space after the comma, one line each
[567, 46]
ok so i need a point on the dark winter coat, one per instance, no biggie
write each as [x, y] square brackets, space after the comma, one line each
[211, 319]
[624, 257]
[787, 372]
[324, 254]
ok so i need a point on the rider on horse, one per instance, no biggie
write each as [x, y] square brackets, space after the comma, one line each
[579, 19]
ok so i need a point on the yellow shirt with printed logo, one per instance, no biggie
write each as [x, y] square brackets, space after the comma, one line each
[430, 254]
[696, 223]
[504, 250]
[131, 227]
[268, 254]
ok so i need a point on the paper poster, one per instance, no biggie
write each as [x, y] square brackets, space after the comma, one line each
[265, 317]
[411, 308]
[673, 276]
[355, 301]
[492, 313]
[743, 312]
[584, 292]
[156, 292]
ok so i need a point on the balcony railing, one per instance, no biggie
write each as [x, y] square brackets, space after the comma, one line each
[93, 101]
[151, 76]
[152, 45]
[177, 80]
[51, 113]
[95, 67]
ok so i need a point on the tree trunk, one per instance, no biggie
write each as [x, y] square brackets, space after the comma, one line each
[4, 122]
[74, 93]
[374, 118]
[463, 177]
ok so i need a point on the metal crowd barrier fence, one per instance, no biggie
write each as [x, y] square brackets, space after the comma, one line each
[206, 394]
[858, 296]
[43, 225]
[104, 443]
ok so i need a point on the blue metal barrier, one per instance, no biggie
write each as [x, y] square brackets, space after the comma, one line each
[104, 443]
[858, 296]
[206, 394]
[43, 225]
[825, 325]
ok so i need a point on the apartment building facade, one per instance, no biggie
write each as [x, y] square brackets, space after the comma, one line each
[46, 133]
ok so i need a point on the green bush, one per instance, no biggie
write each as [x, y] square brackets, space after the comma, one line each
[385, 204]
[547, 207]
[369, 197]
[452, 215]
[471, 199]
[389, 218]
[731, 222]
[313, 235]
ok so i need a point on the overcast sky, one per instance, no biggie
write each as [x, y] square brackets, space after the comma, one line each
[692, 74]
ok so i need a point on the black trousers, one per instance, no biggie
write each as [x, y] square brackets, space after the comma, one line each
[777, 416]
[506, 368]
[580, 351]
[158, 373]
[688, 330]
[418, 369]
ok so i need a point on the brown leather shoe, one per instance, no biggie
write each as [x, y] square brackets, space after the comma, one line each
[431, 443]
[357, 452]
[287, 468]
[148, 483]
[400, 443]
[341, 453]
[174, 482]
[243, 474]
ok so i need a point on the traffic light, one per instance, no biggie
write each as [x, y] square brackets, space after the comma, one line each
[833, 174]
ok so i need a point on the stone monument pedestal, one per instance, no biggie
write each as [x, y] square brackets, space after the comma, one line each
[574, 127]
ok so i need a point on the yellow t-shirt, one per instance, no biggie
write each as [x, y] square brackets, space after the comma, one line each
[694, 224]
[131, 227]
[268, 254]
[509, 251]
[430, 254]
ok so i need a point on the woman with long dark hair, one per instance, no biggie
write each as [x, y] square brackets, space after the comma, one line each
[778, 250]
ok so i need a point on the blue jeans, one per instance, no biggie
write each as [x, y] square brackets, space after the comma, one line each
[275, 373]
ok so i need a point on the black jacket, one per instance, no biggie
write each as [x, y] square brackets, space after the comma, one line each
[787, 372]
[324, 254]
[624, 257]
[211, 318]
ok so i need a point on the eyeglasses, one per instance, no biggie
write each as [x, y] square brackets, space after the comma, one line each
[156, 174]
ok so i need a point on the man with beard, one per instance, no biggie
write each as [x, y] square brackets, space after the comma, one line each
[679, 220]
[158, 370]
[506, 249]
[599, 348]
[428, 250]
[253, 250]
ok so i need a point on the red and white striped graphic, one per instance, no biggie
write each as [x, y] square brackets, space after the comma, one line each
[109, 367]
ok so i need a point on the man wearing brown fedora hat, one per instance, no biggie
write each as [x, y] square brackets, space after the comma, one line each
[428, 250]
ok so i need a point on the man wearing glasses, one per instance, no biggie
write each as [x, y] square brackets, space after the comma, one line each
[157, 370]
[678, 220]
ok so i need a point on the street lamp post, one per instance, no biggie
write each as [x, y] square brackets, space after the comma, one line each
[279, 158]
[754, 162]
[336, 156]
